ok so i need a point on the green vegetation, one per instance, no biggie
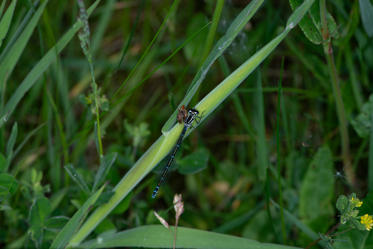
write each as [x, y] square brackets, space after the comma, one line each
[282, 155]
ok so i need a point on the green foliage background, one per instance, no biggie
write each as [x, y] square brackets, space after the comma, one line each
[85, 115]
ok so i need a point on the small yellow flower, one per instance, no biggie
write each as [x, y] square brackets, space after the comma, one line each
[367, 221]
[356, 202]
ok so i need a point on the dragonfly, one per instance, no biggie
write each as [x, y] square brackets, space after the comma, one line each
[186, 117]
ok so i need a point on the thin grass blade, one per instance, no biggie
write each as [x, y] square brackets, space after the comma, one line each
[6, 20]
[104, 169]
[77, 177]
[41, 67]
[261, 140]
[71, 227]
[10, 145]
[223, 43]
[27, 138]
[11, 58]
[12, 139]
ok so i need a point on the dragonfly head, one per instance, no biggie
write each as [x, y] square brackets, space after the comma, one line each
[192, 114]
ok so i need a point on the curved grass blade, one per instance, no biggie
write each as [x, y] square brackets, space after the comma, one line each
[157, 236]
[211, 101]
[304, 228]
[77, 178]
[12, 139]
[118, 105]
[311, 23]
[10, 60]
[19, 30]
[6, 20]
[164, 144]
[104, 169]
[237, 25]
[71, 227]
[20, 146]
[159, 33]
[10, 145]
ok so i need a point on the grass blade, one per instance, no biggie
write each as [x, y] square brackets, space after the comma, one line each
[212, 31]
[11, 58]
[70, 228]
[20, 28]
[160, 237]
[6, 20]
[77, 178]
[104, 169]
[27, 139]
[224, 42]
[261, 141]
[10, 145]
[12, 139]
[42, 66]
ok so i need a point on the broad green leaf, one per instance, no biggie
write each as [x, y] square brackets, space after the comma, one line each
[362, 123]
[159, 237]
[195, 162]
[301, 226]
[123, 205]
[366, 10]
[353, 239]
[237, 25]
[40, 210]
[6, 20]
[105, 226]
[311, 23]
[342, 203]
[40, 67]
[11, 58]
[317, 189]
[307, 26]
[64, 236]
[56, 223]
[8, 185]
[77, 177]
